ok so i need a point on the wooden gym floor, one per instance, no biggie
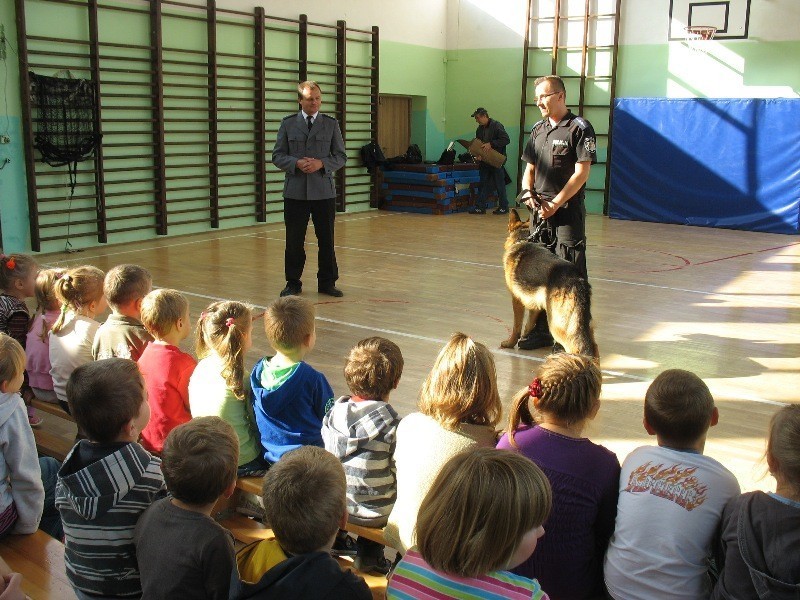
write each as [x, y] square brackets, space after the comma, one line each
[724, 304]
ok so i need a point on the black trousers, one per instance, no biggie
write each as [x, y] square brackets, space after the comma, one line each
[570, 244]
[295, 215]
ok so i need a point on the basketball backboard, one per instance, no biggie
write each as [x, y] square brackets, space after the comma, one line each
[730, 17]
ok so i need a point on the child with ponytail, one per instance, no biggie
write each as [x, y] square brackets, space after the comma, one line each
[37, 347]
[217, 386]
[757, 553]
[80, 292]
[546, 424]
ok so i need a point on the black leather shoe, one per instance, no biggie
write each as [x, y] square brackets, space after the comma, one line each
[291, 289]
[477, 211]
[535, 340]
[331, 290]
[500, 211]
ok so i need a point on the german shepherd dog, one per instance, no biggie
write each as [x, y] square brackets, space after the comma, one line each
[540, 280]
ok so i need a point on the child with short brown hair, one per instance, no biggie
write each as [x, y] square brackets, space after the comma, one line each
[123, 335]
[290, 397]
[199, 466]
[360, 429]
[166, 368]
[481, 517]
[305, 505]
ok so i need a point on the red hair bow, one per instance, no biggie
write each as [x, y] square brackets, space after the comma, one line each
[229, 321]
[535, 388]
[11, 264]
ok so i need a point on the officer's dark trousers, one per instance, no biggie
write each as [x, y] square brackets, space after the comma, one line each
[570, 229]
[295, 215]
[492, 179]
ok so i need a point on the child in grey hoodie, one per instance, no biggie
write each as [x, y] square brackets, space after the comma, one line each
[360, 430]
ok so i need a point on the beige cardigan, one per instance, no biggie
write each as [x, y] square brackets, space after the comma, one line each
[423, 447]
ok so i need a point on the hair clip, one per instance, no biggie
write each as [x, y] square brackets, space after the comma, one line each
[11, 264]
[229, 322]
[535, 388]
[202, 315]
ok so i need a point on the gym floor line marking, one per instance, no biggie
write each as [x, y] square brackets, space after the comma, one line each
[496, 351]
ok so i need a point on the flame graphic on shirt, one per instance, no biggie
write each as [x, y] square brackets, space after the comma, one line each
[679, 485]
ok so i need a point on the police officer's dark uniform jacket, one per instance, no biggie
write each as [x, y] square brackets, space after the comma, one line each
[554, 151]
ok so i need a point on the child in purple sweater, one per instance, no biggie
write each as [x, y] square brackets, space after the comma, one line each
[546, 424]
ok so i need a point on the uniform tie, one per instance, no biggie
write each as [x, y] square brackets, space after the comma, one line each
[310, 120]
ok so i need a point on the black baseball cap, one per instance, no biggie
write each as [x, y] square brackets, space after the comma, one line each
[480, 111]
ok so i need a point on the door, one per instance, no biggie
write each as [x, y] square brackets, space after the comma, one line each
[394, 124]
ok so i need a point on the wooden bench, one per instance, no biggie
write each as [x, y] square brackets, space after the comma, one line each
[40, 560]
[56, 435]
[253, 485]
[52, 409]
[248, 531]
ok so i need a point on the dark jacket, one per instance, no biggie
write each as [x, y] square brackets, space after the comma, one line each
[759, 550]
[314, 576]
[495, 134]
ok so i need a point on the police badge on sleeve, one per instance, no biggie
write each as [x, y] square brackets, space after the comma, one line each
[590, 145]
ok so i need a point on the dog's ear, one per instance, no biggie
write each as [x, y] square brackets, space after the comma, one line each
[513, 216]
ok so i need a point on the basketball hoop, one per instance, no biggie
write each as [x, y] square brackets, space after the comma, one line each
[697, 35]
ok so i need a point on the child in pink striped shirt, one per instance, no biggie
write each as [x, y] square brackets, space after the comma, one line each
[482, 517]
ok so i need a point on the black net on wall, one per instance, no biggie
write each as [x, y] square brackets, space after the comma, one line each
[64, 128]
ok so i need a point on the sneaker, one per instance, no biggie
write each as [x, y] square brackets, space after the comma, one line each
[535, 340]
[500, 211]
[477, 211]
[34, 419]
[375, 565]
[250, 505]
[344, 545]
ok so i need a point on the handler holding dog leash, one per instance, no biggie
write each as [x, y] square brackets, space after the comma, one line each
[559, 154]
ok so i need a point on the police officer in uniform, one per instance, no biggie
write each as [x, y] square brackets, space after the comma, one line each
[493, 135]
[559, 153]
[309, 149]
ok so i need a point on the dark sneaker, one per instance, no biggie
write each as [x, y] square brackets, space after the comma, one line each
[477, 211]
[535, 340]
[291, 289]
[344, 545]
[331, 290]
[500, 211]
[375, 565]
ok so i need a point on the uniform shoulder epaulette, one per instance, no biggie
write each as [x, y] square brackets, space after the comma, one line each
[323, 115]
[538, 124]
[581, 122]
[289, 116]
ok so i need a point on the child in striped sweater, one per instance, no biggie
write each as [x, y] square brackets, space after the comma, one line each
[482, 517]
[359, 430]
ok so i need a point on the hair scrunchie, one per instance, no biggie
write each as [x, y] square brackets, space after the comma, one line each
[229, 322]
[535, 388]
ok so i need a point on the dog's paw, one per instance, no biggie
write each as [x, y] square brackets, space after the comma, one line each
[509, 343]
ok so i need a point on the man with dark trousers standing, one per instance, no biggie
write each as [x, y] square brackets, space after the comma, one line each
[559, 153]
[309, 149]
[493, 135]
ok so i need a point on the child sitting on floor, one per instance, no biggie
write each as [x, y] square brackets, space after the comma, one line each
[360, 430]
[108, 480]
[305, 505]
[482, 516]
[199, 465]
[218, 385]
[290, 397]
[123, 335]
[671, 497]
[166, 369]
[546, 424]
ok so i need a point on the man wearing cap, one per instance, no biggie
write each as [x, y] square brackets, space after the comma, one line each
[493, 135]
[559, 153]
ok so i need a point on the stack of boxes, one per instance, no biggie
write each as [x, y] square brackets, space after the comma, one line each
[431, 189]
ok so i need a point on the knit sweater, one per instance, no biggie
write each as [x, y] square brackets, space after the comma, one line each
[362, 436]
[100, 503]
[423, 447]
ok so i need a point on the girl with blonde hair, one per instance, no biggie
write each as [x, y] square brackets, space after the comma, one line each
[217, 386]
[546, 424]
[459, 408]
[37, 346]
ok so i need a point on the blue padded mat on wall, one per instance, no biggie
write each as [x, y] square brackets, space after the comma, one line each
[732, 163]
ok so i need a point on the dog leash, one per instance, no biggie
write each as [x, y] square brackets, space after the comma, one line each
[536, 235]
